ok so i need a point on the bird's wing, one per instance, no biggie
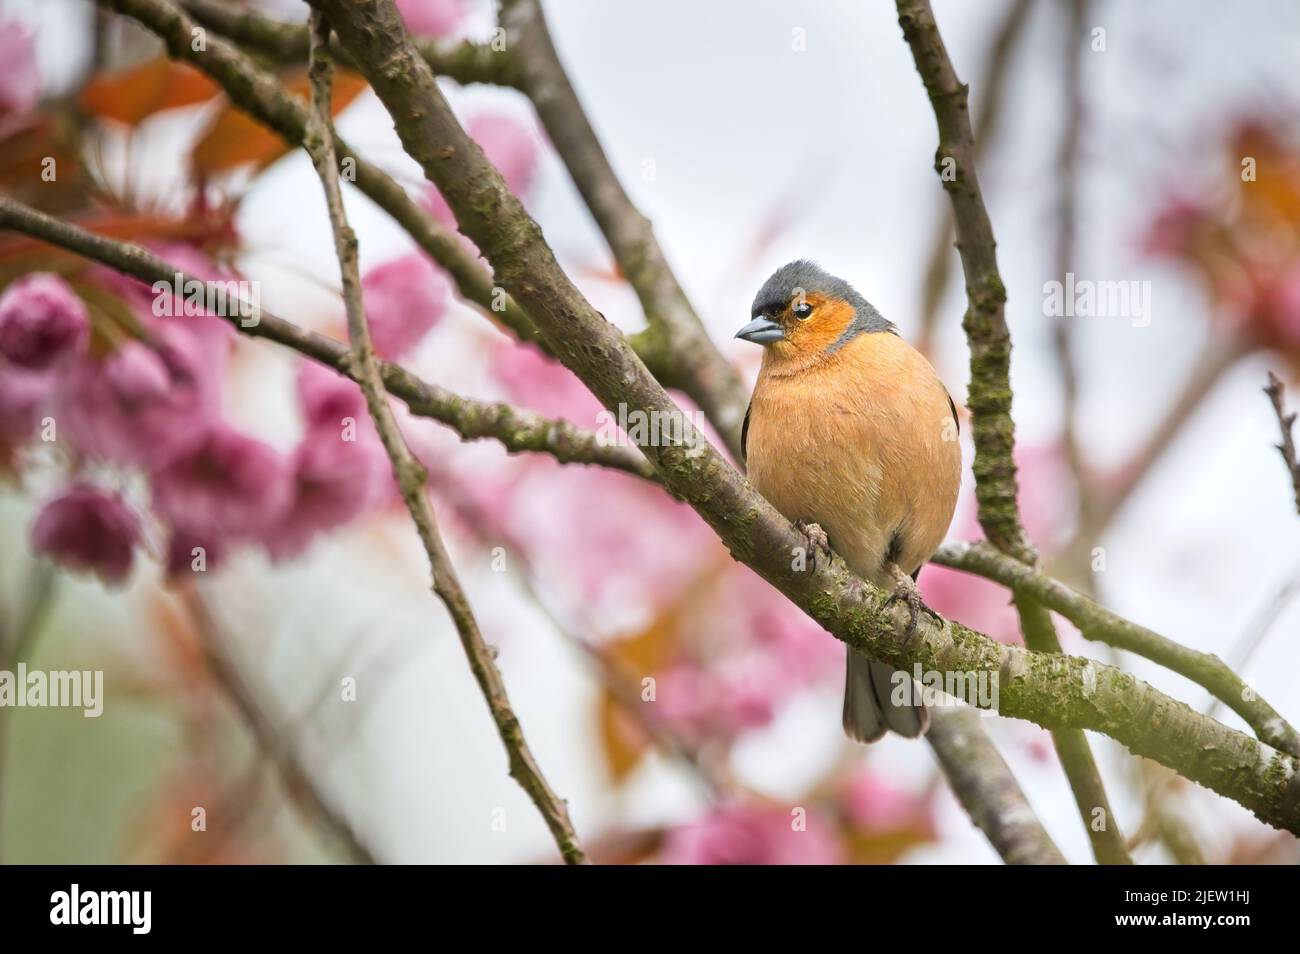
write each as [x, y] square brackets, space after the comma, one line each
[951, 405]
[744, 431]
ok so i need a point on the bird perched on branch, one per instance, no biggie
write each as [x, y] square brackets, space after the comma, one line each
[851, 434]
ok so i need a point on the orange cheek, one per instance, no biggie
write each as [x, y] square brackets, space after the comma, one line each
[829, 319]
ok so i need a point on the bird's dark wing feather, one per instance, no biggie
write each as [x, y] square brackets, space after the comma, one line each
[744, 431]
[951, 406]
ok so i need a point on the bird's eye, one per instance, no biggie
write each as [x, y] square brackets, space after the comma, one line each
[803, 311]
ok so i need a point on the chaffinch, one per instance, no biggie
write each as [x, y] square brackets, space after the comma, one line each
[851, 434]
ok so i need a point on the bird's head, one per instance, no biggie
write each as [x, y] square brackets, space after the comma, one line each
[802, 314]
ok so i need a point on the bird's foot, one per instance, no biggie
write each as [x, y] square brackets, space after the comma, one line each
[905, 591]
[818, 544]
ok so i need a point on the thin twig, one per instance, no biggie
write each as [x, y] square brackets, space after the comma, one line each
[1286, 422]
[992, 84]
[410, 473]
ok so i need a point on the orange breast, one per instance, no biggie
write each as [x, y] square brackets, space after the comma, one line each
[864, 444]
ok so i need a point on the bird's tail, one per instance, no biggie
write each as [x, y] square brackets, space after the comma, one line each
[869, 709]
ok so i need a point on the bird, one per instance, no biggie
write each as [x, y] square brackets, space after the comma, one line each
[852, 436]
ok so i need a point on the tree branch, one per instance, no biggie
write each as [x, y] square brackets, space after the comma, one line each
[410, 473]
[675, 346]
[1098, 623]
[1285, 422]
[515, 429]
[987, 790]
[1053, 691]
[989, 395]
[287, 43]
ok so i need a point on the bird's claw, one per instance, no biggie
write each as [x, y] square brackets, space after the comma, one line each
[905, 591]
[818, 543]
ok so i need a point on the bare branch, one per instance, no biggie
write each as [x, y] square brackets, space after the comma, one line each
[410, 473]
[288, 43]
[989, 395]
[987, 790]
[1098, 623]
[1286, 422]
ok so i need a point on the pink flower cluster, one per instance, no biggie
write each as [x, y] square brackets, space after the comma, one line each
[145, 395]
[153, 404]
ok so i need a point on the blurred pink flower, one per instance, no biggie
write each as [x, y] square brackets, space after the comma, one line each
[870, 802]
[20, 80]
[42, 321]
[86, 528]
[533, 380]
[228, 487]
[327, 398]
[404, 299]
[714, 703]
[181, 555]
[752, 835]
[972, 600]
[334, 481]
[431, 17]
[1046, 506]
[142, 405]
[23, 394]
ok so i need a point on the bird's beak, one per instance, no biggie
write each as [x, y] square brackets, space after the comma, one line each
[761, 331]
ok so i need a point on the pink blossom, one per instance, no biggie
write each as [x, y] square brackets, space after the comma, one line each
[870, 802]
[540, 384]
[23, 394]
[334, 481]
[228, 487]
[404, 299]
[142, 404]
[753, 835]
[89, 529]
[327, 398]
[20, 80]
[431, 17]
[42, 321]
[185, 547]
[715, 703]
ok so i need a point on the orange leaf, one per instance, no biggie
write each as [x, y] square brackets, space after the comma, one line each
[134, 94]
[623, 741]
[233, 139]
